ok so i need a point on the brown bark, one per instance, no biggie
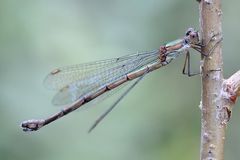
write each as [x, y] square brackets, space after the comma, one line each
[213, 113]
[218, 95]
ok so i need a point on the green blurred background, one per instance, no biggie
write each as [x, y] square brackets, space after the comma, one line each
[159, 119]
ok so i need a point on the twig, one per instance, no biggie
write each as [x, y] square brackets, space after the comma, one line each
[230, 92]
[234, 83]
[213, 113]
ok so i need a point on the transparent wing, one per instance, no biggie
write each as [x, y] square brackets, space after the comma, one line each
[79, 80]
[61, 77]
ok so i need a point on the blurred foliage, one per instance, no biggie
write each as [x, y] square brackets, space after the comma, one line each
[159, 119]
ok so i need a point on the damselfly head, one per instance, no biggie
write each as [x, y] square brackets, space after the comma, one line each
[192, 36]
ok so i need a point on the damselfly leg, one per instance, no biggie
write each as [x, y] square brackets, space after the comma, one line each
[198, 47]
[187, 63]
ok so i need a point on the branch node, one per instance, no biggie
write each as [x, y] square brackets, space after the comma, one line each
[228, 92]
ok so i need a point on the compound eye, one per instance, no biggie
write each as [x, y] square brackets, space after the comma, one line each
[189, 31]
[192, 35]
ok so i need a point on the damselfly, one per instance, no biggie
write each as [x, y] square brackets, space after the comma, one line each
[80, 84]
